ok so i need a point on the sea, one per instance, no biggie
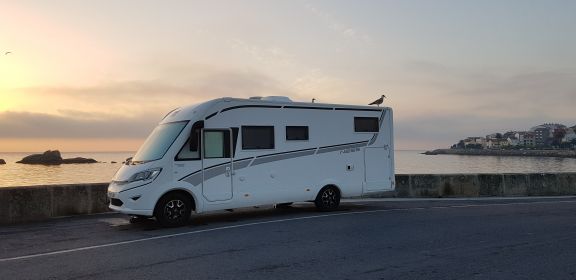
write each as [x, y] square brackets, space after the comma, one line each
[13, 174]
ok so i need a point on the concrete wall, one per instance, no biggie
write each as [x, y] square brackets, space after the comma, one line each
[36, 203]
[477, 185]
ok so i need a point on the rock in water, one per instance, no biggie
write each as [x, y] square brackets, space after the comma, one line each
[79, 160]
[53, 158]
[2, 161]
[47, 158]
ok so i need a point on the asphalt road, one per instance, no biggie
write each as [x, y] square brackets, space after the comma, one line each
[532, 238]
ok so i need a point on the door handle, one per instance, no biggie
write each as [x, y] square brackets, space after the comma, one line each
[228, 171]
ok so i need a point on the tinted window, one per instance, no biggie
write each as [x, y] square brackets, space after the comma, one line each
[296, 133]
[257, 137]
[365, 124]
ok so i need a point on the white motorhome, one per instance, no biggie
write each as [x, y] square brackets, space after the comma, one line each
[229, 153]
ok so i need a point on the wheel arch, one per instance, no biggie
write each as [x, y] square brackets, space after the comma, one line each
[327, 183]
[330, 185]
[183, 191]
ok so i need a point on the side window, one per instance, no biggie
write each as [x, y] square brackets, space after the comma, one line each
[216, 144]
[257, 137]
[296, 133]
[190, 150]
[365, 124]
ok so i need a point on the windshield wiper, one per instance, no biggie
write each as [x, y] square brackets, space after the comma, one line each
[136, 162]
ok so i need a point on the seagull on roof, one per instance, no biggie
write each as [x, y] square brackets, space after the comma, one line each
[313, 100]
[378, 101]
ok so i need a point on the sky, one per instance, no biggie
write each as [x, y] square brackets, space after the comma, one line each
[99, 75]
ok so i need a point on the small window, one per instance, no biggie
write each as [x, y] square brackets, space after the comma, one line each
[257, 137]
[365, 124]
[216, 144]
[296, 133]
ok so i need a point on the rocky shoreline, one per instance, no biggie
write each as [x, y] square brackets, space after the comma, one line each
[520, 153]
[54, 158]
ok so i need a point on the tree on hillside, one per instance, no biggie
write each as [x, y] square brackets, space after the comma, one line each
[558, 135]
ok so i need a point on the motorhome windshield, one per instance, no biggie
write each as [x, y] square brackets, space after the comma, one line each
[159, 141]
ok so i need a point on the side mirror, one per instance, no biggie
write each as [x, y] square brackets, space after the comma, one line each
[128, 160]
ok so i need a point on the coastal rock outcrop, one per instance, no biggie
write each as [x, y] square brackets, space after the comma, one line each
[53, 158]
[2, 161]
[79, 160]
[47, 158]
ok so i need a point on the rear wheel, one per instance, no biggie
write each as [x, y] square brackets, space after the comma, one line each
[328, 199]
[173, 210]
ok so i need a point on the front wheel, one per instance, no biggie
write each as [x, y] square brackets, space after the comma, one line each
[328, 199]
[173, 210]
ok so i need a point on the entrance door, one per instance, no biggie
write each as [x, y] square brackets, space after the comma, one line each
[378, 169]
[217, 164]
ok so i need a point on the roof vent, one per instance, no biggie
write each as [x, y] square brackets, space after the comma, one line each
[277, 98]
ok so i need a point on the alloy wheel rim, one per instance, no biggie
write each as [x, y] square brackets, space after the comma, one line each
[175, 209]
[329, 197]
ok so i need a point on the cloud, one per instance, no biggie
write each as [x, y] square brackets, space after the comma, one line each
[491, 92]
[193, 85]
[176, 87]
[127, 109]
[337, 26]
[39, 125]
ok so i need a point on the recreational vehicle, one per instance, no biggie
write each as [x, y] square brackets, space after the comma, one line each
[229, 153]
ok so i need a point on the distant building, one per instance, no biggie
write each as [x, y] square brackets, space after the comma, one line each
[551, 126]
[526, 138]
[542, 136]
[512, 140]
[509, 134]
[496, 143]
[548, 133]
[478, 142]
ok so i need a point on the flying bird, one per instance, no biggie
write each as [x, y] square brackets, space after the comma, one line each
[378, 101]
[7, 53]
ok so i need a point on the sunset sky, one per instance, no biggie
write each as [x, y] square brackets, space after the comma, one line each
[99, 75]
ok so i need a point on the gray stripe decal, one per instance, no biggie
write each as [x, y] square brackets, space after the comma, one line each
[241, 164]
[282, 157]
[338, 148]
[213, 172]
[194, 179]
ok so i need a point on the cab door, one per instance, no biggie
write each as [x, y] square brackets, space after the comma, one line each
[217, 164]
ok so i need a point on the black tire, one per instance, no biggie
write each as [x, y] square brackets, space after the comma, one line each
[173, 210]
[328, 199]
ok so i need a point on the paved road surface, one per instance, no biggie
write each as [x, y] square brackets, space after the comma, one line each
[532, 238]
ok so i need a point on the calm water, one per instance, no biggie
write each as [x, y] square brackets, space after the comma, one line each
[407, 162]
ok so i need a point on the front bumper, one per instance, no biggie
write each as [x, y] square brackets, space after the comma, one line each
[125, 202]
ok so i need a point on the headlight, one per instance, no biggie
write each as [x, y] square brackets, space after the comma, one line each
[146, 175]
